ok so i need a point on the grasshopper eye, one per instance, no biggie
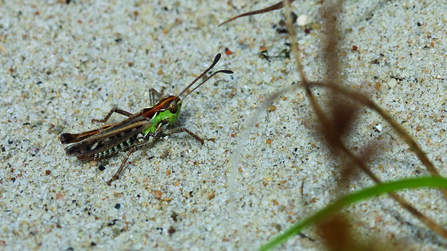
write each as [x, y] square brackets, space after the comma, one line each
[173, 107]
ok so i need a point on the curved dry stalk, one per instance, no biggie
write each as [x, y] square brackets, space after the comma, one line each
[394, 124]
[327, 125]
[256, 12]
[293, 41]
[362, 99]
[338, 144]
[322, 117]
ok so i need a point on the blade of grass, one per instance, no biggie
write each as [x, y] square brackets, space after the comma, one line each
[431, 182]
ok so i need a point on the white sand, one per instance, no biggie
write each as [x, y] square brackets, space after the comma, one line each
[67, 64]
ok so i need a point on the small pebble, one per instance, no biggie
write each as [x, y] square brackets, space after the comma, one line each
[271, 108]
[392, 83]
[158, 194]
[302, 20]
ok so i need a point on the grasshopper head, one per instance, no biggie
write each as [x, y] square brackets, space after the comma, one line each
[175, 106]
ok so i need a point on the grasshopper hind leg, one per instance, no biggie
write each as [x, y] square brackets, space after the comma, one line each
[155, 96]
[144, 144]
[124, 162]
[113, 110]
[183, 129]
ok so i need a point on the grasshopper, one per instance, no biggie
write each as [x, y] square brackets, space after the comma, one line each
[135, 132]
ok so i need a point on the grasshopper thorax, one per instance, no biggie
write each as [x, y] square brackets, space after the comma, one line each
[166, 109]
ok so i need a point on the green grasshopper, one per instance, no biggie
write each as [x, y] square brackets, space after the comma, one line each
[134, 132]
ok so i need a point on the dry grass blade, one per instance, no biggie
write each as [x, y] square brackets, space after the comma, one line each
[337, 236]
[2, 49]
[251, 13]
[338, 239]
[351, 171]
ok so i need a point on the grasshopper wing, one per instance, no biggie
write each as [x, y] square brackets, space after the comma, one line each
[107, 143]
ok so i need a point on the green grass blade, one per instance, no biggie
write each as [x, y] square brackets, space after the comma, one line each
[432, 182]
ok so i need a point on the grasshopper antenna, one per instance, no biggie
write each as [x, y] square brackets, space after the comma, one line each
[216, 59]
[212, 75]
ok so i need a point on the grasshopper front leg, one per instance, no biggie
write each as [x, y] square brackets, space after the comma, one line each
[113, 110]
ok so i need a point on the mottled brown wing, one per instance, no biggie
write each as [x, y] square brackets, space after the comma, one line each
[68, 138]
[99, 143]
